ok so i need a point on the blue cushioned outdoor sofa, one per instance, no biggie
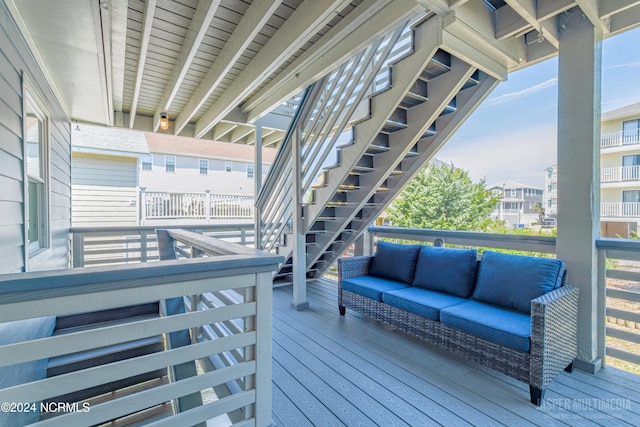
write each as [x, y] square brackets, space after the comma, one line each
[511, 313]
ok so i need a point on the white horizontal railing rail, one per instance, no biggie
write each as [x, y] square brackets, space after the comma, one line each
[93, 246]
[620, 138]
[67, 292]
[620, 173]
[204, 206]
[620, 209]
[619, 293]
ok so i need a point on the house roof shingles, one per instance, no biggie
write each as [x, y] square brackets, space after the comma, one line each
[109, 139]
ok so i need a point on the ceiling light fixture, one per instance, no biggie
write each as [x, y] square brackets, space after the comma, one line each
[164, 121]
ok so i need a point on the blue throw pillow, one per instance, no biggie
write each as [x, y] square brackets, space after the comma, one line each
[394, 261]
[447, 270]
[512, 281]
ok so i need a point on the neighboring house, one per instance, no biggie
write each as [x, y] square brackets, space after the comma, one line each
[517, 206]
[620, 172]
[105, 175]
[550, 196]
[186, 165]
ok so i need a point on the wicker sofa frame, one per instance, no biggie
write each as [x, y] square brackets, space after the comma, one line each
[553, 332]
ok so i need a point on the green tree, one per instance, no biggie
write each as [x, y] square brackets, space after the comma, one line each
[443, 197]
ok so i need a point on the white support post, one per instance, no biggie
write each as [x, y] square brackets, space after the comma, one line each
[257, 179]
[143, 205]
[299, 241]
[579, 71]
[207, 205]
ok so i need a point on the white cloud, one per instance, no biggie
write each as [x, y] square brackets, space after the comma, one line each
[635, 64]
[512, 96]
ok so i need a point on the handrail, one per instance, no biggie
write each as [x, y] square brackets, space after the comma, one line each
[544, 244]
[34, 295]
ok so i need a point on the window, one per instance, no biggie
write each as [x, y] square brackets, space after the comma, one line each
[227, 166]
[550, 203]
[204, 166]
[549, 173]
[169, 163]
[147, 162]
[249, 171]
[631, 131]
[37, 155]
[513, 192]
[549, 187]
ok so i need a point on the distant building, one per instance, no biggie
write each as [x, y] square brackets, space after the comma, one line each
[550, 196]
[517, 206]
[620, 172]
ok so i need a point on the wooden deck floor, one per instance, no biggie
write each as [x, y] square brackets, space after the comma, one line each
[330, 370]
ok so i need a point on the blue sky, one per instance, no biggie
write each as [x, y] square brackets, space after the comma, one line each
[512, 135]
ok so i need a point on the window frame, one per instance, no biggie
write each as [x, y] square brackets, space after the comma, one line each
[166, 163]
[33, 104]
[205, 163]
[143, 163]
[251, 171]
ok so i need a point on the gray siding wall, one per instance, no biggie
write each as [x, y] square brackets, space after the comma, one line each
[187, 177]
[15, 57]
[104, 190]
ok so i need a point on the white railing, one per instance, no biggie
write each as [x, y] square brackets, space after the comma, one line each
[205, 206]
[620, 209]
[620, 315]
[92, 246]
[620, 173]
[245, 273]
[620, 138]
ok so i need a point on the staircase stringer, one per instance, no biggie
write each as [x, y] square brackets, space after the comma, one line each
[427, 38]
[468, 101]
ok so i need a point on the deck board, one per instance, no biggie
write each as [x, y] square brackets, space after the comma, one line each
[334, 370]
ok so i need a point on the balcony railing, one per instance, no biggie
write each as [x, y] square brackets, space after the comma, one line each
[620, 209]
[230, 293]
[620, 138]
[92, 246]
[620, 173]
[204, 206]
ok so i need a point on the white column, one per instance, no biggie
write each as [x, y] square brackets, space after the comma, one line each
[579, 69]
[299, 241]
[143, 205]
[257, 180]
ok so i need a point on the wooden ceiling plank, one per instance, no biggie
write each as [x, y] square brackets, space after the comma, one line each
[149, 9]
[250, 24]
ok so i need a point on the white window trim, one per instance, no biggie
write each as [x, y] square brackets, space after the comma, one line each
[174, 164]
[206, 162]
[33, 249]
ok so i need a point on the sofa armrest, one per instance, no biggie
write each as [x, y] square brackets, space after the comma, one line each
[554, 329]
[353, 267]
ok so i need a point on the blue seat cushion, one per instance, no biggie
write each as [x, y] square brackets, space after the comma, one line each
[447, 270]
[420, 301]
[394, 261]
[512, 281]
[371, 286]
[506, 327]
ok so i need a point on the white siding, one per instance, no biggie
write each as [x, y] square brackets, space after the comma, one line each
[104, 191]
[15, 57]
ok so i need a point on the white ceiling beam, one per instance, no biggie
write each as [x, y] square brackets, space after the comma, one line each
[625, 21]
[342, 42]
[253, 20]
[303, 23]
[590, 10]
[527, 9]
[240, 132]
[221, 129]
[610, 7]
[200, 23]
[473, 25]
[265, 133]
[102, 29]
[550, 8]
[510, 23]
[441, 7]
[273, 139]
[147, 23]
[118, 13]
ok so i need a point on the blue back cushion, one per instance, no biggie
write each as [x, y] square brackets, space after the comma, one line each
[447, 270]
[512, 281]
[394, 261]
